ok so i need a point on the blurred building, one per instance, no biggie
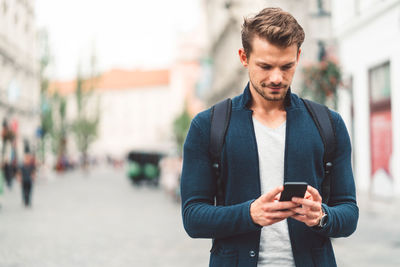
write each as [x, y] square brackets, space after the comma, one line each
[19, 81]
[224, 20]
[368, 35]
[189, 72]
[137, 110]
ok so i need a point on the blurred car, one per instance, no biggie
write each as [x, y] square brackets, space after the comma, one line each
[143, 167]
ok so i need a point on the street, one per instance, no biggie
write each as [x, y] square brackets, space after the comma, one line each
[376, 241]
[99, 219]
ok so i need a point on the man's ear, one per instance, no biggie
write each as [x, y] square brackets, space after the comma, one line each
[243, 57]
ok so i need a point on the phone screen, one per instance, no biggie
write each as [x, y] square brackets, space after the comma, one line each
[293, 189]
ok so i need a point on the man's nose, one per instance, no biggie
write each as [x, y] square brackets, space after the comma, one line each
[276, 77]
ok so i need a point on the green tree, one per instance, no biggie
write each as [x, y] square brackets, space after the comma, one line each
[46, 117]
[85, 125]
[53, 124]
[59, 129]
[181, 127]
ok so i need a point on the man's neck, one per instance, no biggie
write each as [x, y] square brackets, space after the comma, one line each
[270, 113]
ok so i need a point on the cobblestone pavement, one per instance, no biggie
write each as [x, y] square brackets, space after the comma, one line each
[376, 241]
[99, 219]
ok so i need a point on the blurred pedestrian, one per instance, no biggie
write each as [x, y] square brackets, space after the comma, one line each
[8, 173]
[26, 176]
[1, 187]
[271, 139]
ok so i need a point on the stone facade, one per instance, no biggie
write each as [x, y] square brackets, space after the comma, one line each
[19, 80]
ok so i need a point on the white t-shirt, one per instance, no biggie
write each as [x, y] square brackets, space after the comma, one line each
[275, 246]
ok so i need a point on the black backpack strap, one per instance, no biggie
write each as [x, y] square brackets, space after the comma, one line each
[220, 117]
[323, 120]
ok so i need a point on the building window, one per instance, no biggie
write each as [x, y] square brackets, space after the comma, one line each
[379, 78]
[321, 9]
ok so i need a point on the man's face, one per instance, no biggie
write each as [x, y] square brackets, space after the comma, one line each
[271, 68]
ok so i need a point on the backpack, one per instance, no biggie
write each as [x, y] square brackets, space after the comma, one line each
[220, 118]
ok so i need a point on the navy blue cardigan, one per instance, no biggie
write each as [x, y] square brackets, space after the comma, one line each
[236, 237]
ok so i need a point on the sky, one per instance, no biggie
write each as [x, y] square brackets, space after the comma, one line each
[123, 33]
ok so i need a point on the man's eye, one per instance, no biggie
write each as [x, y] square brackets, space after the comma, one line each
[286, 67]
[266, 67]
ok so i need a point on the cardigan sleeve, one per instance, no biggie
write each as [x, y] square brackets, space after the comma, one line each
[201, 219]
[342, 208]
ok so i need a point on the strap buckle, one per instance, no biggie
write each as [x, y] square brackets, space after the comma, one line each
[217, 169]
[328, 167]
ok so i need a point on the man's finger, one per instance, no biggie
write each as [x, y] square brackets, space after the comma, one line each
[300, 218]
[280, 205]
[314, 193]
[306, 212]
[308, 195]
[269, 197]
[300, 211]
[313, 205]
[277, 197]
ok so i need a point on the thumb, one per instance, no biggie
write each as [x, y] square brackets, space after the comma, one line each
[270, 196]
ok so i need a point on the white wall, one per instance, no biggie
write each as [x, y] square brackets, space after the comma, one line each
[131, 119]
[366, 39]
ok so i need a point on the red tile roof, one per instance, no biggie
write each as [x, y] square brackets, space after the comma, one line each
[118, 79]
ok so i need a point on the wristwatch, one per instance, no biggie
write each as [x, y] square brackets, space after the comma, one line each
[323, 220]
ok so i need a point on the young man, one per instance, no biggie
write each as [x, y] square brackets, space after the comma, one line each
[271, 139]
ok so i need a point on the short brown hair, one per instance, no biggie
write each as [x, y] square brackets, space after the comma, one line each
[273, 24]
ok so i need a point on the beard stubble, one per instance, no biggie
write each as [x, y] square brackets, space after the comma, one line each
[279, 96]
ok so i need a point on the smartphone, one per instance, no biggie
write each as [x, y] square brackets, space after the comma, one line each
[293, 189]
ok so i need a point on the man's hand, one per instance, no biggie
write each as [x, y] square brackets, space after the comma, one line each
[310, 211]
[266, 211]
